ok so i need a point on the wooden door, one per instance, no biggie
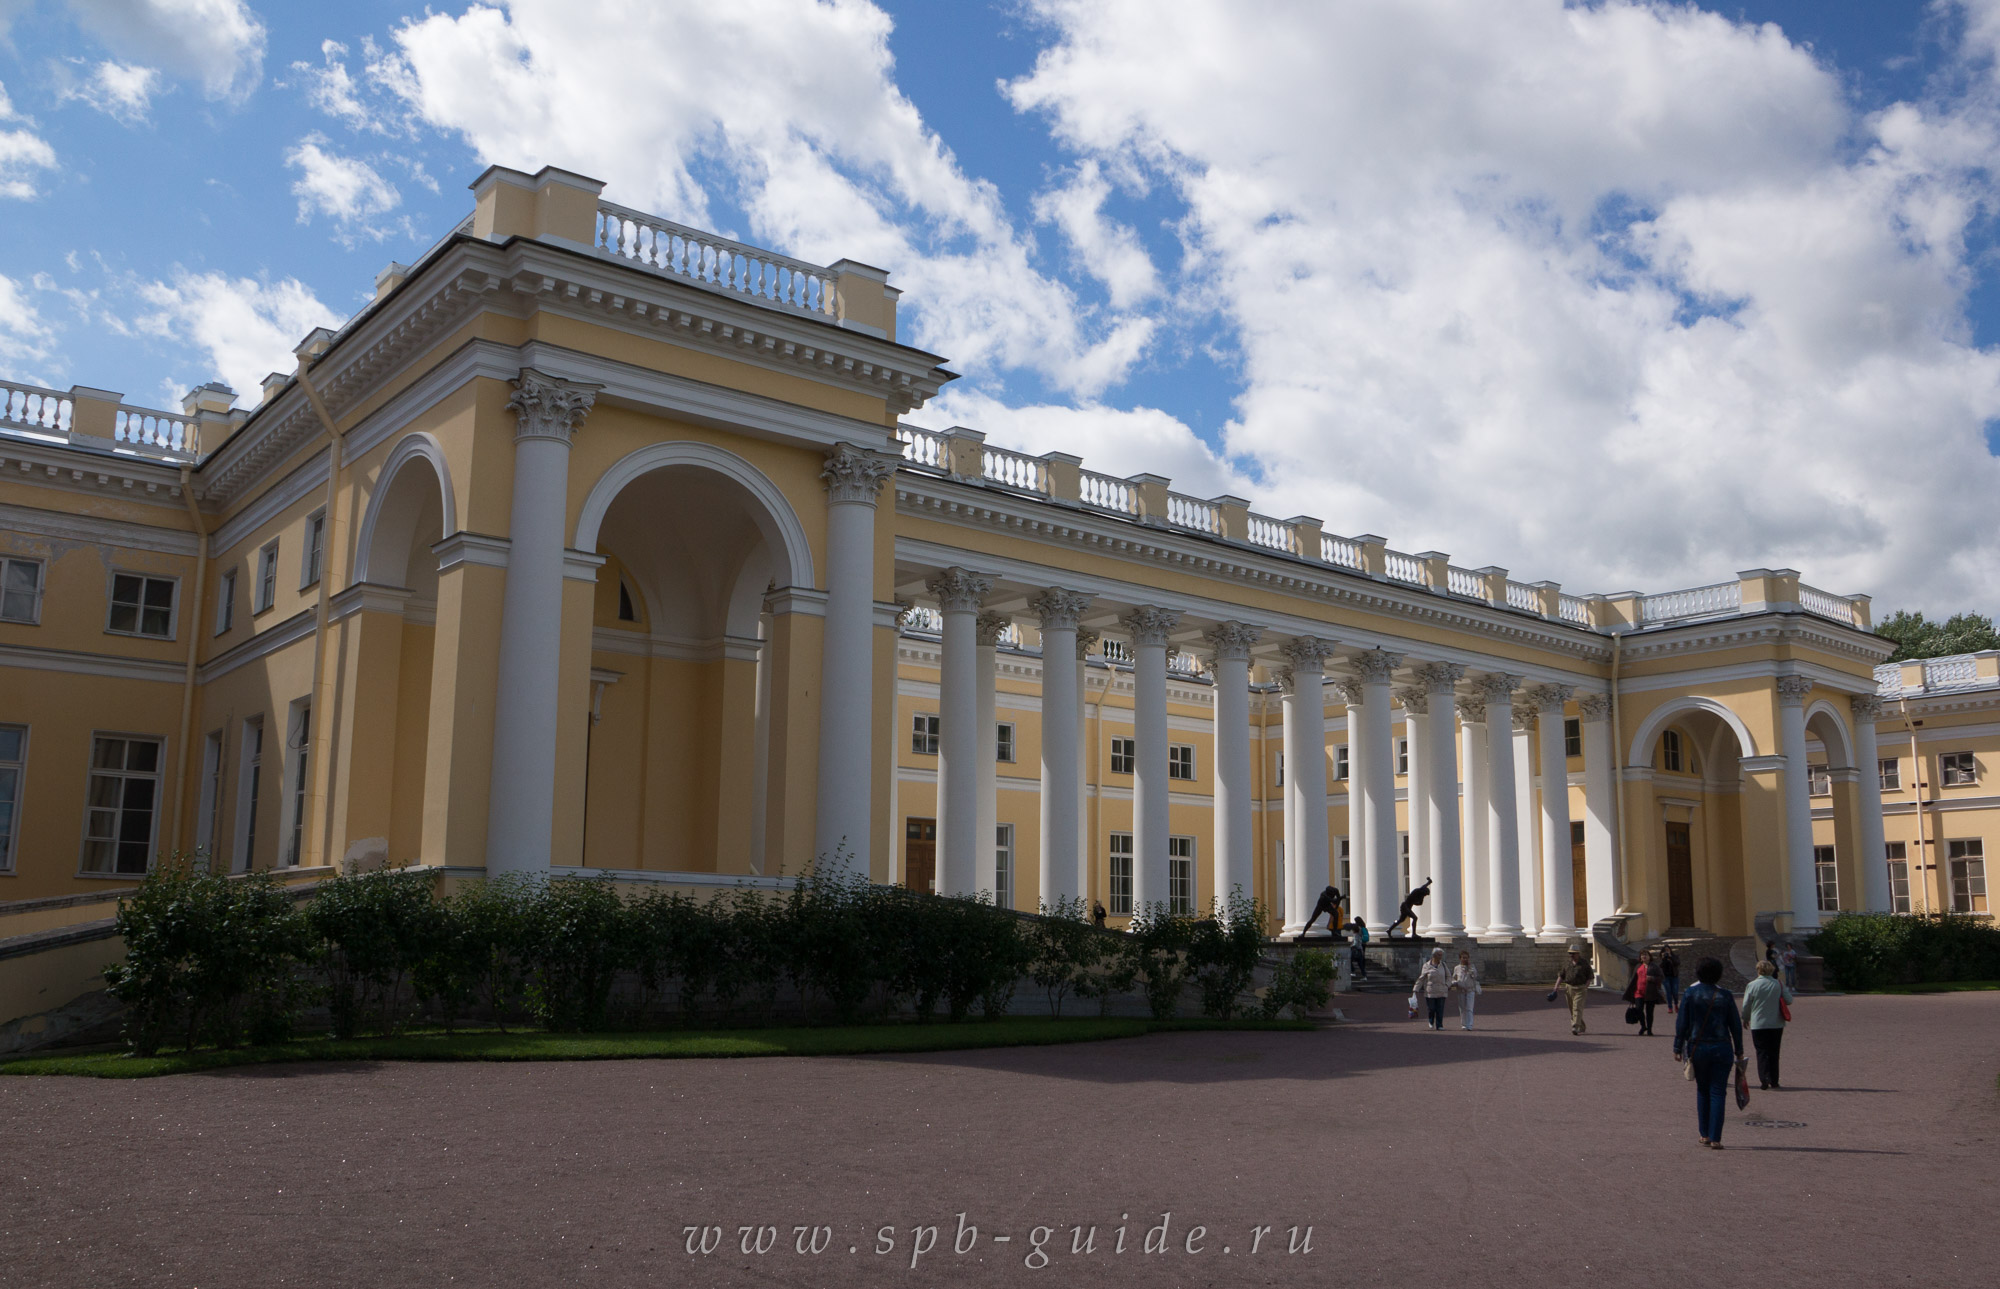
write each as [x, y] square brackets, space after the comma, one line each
[1579, 875]
[920, 854]
[1680, 876]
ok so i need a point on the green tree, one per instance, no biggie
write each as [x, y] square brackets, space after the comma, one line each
[1916, 637]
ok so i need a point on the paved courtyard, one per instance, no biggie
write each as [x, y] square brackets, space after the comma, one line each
[1513, 1155]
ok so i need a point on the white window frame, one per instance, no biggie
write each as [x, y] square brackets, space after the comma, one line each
[924, 733]
[249, 787]
[1572, 737]
[1003, 865]
[1180, 875]
[1826, 879]
[1898, 855]
[1672, 755]
[313, 558]
[1003, 741]
[10, 822]
[1180, 762]
[266, 597]
[1889, 770]
[1343, 866]
[225, 602]
[1970, 852]
[298, 782]
[1819, 781]
[1403, 861]
[1281, 771]
[1340, 763]
[7, 567]
[1958, 769]
[1118, 874]
[1124, 754]
[122, 775]
[1402, 757]
[145, 581]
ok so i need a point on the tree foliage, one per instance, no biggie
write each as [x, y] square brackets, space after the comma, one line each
[1916, 637]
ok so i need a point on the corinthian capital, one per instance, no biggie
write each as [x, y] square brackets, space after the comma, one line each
[1472, 710]
[1549, 699]
[1439, 677]
[1150, 626]
[1594, 707]
[1498, 687]
[991, 626]
[1057, 609]
[1414, 701]
[1792, 690]
[1308, 653]
[851, 474]
[1232, 640]
[547, 408]
[1352, 691]
[959, 591]
[1086, 640]
[1377, 666]
[1866, 707]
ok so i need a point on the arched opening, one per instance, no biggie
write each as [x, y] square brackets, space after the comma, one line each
[693, 540]
[1687, 835]
[1833, 787]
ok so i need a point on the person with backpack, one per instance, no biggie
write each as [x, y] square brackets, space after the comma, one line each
[1708, 1036]
[1766, 1008]
[1670, 977]
[1357, 948]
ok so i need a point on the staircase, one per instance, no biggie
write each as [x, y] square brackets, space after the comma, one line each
[1738, 954]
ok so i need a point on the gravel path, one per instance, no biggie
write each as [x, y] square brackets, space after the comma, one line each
[1512, 1155]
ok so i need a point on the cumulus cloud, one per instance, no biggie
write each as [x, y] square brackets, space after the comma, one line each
[246, 328]
[1610, 294]
[1105, 249]
[22, 152]
[332, 89]
[345, 188]
[791, 112]
[219, 43]
[24, 337]
[119, 90]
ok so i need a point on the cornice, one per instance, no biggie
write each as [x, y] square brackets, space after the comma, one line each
[65, 526]
[77, 662]
[73, 467]
[1762, 629]
[266, 642]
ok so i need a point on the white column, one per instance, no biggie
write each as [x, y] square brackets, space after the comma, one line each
[1478, 787]
[1307, 654]
[521, 808]
[1530, 870]
[1503, 836]
[1558, 876]
[1086, 640]
[987, 629]
[1233, 851]
[1377, 746]
[841, 817]
[1416, 705]
[958, 594]
[1440, 801]
[1057, 612]
[1874, 854]
[1355, 695]
[1294, 812]
[1149, 628]
[1803, 886]
[760, 751]
[1605, 894]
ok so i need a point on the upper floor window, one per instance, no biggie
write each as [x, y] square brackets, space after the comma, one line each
[1819, 781]
[1003, 745]
[124, 795]
[1892, 774]
[142, 605]
[1402, 756]
[924, 734]
[1180, 761]
[1671, 757]
[13, 765]
[1572, 737]
[21, 591]
[1340, 761]
[1958, 769]
[225, 603]
[267, 577]
[1124, 752]
[315, 552]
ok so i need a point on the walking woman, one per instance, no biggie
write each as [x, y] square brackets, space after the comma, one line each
[1647, 990]
[1709, 1036]
[1434, 986]
[1465, 979]
[1764, 1006]
[1670, 976]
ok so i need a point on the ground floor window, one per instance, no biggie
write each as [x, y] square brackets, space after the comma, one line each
[1180, 875]
[124, 797]
[1899, 877]
[298, 751]
[1827, 875]
[1120, 852]
[1966, 861]
[13, 762]
[1003, 865]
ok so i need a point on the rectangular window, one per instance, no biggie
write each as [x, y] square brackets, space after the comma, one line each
[1281, 771]
[267, 577]
[1892, 775]
[1572, 737]
[1120, 854]
[298, 758]
[1670, 751]
[1340, 763]
[1402, 756]
[1899, 877]
[1342, 867]
[249, 783]
[1576, 832]
[1003, 865]
[13, 769]
[924, 735]
[1180, 875]
[124, 796]
[1004, 748]
[1827, 874]
[225, 602]
[1819, 781]
[211, 793]
[21, 591]
[1180, 761]
[315, 551]
[1966, 861]
[1403, 869]
[1958, 769]
[141, 606]
[1124, 753]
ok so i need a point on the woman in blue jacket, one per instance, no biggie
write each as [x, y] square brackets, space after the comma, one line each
[1708, 1034]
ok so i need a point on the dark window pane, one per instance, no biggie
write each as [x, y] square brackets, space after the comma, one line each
[159, 593]
[126, 588]
[10, 745]
[142, 755]
[124, 617]
[156, 622]
[132, 857]
[136, 826]
[138, 794]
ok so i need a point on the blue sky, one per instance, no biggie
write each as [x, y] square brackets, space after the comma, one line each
[1608, 293]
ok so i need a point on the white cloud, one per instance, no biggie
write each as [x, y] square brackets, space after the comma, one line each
[24, 337]
[1611, 294]
[119, 90]
[22, 153]
[792, 109]
[1105, 249]
[245, 328]
[331, 88]
[217, 42]
[345, 188]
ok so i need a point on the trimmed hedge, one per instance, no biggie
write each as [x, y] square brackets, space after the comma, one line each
[1876, 950]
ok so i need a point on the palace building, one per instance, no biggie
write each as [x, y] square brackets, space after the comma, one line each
[598, 544]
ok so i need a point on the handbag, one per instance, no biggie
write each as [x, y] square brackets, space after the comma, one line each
[1552, 995]
[1784, 1008]
[1632, 1014]
[1742, 1084]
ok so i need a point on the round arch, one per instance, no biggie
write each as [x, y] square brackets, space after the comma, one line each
[1833, 722]
[775, 516]
[1650, 729]
[411, 447]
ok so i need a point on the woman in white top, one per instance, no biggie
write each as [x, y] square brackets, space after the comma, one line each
[1433, 983]
[1465, 979]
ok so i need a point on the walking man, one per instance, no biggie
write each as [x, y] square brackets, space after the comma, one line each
[1575, 984]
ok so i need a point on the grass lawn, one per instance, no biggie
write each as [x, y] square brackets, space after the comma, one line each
[535, 1045]
[1939, 987]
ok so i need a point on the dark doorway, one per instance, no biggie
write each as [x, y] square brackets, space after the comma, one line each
[920, 854]
[1680, 876]
[1579, 874]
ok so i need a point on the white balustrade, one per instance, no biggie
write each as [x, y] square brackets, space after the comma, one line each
[1398, 567]
[1193, 512]
[922, 447]
[1104, 492]
[1950, 673]
[1837, 607]
[680, 251]
[1463, 581]
[1524, 597]
[1889, 678]
[1274, 534]
[34, 408]
[1698, 602]
[1116, 652]
[1574, 609]
[1339, 552]
[1014, 470]
[923, 619]
[163, 431]
[1183, 664]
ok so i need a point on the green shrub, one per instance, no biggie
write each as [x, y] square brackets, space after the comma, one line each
[479, 957]
[1062, 948]
[1872, 950]
[577, 935]
[1158, 952]
[209, 959]
[1303, 982]
[376, 933]
[1223, 953]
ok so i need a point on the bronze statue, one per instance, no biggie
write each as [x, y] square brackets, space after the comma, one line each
[1408, 911]
[1097, 914]
[1329, 904]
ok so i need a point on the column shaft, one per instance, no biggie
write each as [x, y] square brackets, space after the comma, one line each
[1503, 836]
[1149, 628]
[841, 815]
[1294, 808]
[1440, 805]
[1875, 897]
[1377, 748]
[1477, 859]
[1233, 852]
[958, 848]
[1604, 893]
[988, 627]
[1802, 884]
[1525, 820]
[1558, 876]
[1062, 763]
[1417, 734]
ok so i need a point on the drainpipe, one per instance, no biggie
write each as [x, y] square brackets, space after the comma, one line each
[1920, 881]
[194, 638]
[322, 741]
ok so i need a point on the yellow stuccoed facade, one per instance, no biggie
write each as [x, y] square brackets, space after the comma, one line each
[598, 544]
